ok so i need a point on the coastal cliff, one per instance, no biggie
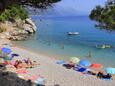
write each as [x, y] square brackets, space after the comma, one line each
[17, 30]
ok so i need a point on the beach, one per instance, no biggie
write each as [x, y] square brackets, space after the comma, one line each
[56, 74]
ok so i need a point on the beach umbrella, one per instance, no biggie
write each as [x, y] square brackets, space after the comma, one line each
[6, 50]
[74, 60]
[110, 70]
[84, 63]
[96, 65]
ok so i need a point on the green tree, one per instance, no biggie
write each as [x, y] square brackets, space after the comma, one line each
[12, 9]
[105, 16]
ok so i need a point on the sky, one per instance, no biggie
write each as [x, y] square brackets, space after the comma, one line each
[76, 7]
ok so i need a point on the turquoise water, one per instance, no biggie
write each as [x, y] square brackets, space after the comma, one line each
[51, 38]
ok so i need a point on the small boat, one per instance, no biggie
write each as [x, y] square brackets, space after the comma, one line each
[104, 46]
[73, 33]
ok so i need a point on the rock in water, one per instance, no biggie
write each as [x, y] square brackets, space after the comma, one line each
[18, 30]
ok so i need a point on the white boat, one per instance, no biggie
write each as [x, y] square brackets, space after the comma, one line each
[73, 33]
[103, 46]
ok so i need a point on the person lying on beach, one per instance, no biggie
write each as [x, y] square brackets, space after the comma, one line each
[69, 65]
[108, 76]
[103, 76]
[25, 63]
[30, 63]
[91, 73]
[19, 64]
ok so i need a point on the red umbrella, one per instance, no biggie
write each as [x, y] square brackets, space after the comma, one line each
[96, 65]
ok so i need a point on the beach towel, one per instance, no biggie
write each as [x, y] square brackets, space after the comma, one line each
[80, 69]
[12, 62]
[107, 79]
[40, 81]
[34, 77]
[22, 71]
[60, 62]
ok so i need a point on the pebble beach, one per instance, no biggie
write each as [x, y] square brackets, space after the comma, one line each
[55, 74]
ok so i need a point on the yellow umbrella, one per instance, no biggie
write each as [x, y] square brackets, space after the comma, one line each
[74, 60]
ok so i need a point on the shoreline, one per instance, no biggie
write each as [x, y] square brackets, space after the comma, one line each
[57, 74]
[56, 57]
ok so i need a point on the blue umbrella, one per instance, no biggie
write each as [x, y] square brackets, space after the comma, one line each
[110, 70]
[6, 50]
[84, 63]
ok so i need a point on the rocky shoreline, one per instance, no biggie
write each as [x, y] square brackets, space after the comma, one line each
[17, 30]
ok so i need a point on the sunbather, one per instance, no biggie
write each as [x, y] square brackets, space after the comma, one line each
[103, 76]
[20, 64]
[108, 76]
[100, 75]
[30, 63]
[25, 64]
[68, 66]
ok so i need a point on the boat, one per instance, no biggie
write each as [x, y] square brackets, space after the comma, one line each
[73, 33]
[104, 46]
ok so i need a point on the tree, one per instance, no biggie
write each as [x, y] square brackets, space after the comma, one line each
[34, 3]
[105, 16]
[12, 9]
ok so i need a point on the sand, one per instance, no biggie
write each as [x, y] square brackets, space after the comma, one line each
[57, 74]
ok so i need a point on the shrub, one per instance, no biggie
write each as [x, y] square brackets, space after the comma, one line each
[13, 12]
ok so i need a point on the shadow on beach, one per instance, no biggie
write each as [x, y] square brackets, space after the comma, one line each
[11, 79]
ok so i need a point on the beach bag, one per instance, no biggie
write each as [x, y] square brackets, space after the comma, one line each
[40, 81]
[1, 60]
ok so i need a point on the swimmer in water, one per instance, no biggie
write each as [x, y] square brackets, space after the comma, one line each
[62, 46]
[89, 54]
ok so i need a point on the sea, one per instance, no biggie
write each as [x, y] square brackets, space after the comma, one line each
[51, 39]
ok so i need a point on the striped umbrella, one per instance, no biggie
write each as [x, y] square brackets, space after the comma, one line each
[74, 60]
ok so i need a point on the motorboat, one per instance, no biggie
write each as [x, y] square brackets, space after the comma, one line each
[104, 46]
[73, 33]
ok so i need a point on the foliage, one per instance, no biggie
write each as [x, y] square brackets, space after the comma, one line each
[105, 16]
[34, 3]
[13, 12]
[10, 9]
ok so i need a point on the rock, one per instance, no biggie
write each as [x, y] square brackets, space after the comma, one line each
[28, 28]
[18, 38]
[18, 30]
[29, 21]
[22, 32]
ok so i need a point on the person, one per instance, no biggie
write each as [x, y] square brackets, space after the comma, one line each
[16, 63]
[100, 74]
[19, 64]
[69, 65]
[30, 63]
[91, 72]
[62, 46]
[108, 76]
[89, 54]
